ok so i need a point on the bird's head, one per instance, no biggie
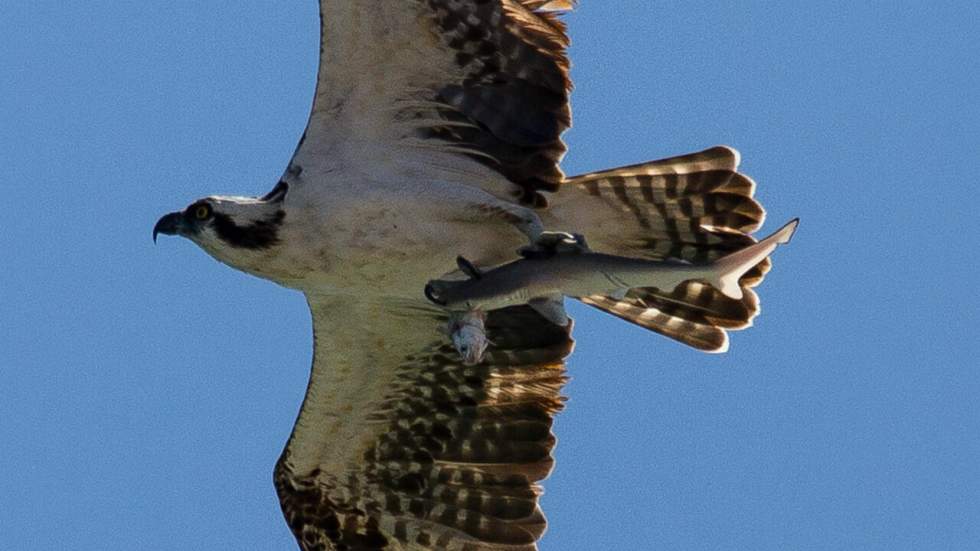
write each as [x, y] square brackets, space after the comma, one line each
[238, 231]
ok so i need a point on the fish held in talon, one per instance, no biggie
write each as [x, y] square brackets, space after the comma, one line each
[541, 281]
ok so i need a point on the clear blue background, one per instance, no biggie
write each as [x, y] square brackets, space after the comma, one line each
[146, 392]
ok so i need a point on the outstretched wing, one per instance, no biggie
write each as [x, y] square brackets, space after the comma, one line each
[482, 80]
[400, 446]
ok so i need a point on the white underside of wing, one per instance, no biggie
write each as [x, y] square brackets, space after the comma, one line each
[372, 208]
[358, 344]
[379, 59]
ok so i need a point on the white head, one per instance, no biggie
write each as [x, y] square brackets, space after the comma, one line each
[239, 231]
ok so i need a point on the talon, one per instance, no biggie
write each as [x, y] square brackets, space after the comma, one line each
[555, 238]
[551, 243]
[581, 244]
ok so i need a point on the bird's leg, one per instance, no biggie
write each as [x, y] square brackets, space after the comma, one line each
[469, 335]
[541, 243]
[524, 219]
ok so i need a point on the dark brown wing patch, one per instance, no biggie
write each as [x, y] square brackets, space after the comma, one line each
[458, 465]
[514, 92]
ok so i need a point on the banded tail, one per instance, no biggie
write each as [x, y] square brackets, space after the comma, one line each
[697, 208]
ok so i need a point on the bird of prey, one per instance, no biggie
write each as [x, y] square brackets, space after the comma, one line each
[436, 131]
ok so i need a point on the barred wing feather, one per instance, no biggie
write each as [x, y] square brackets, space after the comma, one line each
[400, 446]
[487, 80]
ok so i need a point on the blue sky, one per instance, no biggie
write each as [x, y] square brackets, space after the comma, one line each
[146, 392]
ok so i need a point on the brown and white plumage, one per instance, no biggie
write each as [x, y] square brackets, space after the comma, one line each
[696, 208]
[488, 79]
[399, 445]
[436, 131]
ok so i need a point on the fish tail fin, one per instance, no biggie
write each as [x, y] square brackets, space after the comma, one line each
[728, 270]
[697, 208]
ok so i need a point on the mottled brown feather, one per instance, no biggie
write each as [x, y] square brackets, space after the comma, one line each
[457, 463]
[514, 91]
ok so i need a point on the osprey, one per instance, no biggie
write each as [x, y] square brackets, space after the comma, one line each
[435, 132]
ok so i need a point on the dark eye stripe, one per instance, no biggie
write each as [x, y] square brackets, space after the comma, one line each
[261, 234]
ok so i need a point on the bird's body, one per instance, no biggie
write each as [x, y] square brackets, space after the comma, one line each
[436, 131]
[336, 247]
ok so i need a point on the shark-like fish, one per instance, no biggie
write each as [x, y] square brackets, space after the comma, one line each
[541, 280]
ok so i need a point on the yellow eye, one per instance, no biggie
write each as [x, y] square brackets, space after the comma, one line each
[202, 212]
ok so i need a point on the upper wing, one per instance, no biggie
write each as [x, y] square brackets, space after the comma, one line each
[398, 445]
[487, 80]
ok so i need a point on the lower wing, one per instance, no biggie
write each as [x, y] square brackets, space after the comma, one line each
[399, 445]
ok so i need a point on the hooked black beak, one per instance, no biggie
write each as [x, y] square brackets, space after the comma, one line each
[169, 224]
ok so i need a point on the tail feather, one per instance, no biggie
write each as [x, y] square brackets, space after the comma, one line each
[695, 208]
[720, 157]
[699, 301]
[687, 327]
